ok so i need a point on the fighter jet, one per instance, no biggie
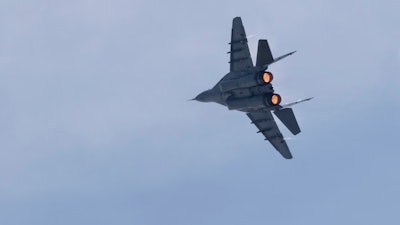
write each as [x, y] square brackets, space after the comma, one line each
[247, 88]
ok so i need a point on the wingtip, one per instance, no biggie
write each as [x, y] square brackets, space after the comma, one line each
[237, 20]
[308, 99]
[289, 156]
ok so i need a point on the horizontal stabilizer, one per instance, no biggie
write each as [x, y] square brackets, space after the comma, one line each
[287, 117]
[264, 55]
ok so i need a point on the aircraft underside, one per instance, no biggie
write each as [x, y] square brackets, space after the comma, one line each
[248, 88]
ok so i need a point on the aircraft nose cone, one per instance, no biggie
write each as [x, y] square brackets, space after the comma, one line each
[208, 96]
[201, 97]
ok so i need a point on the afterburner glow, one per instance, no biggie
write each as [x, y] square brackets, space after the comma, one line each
[267, 77]
[275, 99]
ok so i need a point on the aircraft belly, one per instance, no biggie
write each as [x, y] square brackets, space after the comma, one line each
[249, 103]
[242, 93]
[262, 89]
[252, 91]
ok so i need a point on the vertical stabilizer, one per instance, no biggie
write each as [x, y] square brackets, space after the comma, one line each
[264, 55]
[287, 117]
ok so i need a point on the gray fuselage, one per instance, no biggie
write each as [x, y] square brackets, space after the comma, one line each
[229, 91]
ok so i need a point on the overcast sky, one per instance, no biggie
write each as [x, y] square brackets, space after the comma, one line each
[95, 126]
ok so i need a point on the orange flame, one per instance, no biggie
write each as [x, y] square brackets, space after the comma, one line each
[275, 99]
[267, 77]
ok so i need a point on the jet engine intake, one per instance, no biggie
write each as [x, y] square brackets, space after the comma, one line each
[254, 102]
[246, 81]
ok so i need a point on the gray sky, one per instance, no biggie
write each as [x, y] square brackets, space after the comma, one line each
[95, 126]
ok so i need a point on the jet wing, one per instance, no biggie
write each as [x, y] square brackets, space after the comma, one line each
[240, 54]
[266, 125]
